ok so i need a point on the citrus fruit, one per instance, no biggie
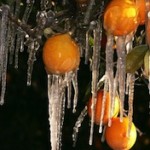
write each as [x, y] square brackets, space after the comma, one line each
[141, 4]
[117, 136]
[98, 107]
[121, 17]
[61, 54]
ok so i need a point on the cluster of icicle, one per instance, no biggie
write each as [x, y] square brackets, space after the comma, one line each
[116, 81]
[58, 85]
[16, 34]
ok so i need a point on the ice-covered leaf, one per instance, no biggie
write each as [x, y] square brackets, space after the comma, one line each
[134, 59]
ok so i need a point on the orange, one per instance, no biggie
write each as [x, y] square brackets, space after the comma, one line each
[98, 107]
[61, 54]
[117, 134]
[141, 4]
[121, 17]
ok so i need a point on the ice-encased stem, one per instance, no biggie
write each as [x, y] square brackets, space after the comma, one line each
[32, 48]
[130, 100]
[88, 11]
[95, 74]
[15, 9]
[110, 71]
[28, 9]
[121, 72]
[106, 86]
[69, 91]
[4, 10]
[78, 125]
[129, 46]
[20, 32]
[87, 47]
[75, 86]
[68, 84]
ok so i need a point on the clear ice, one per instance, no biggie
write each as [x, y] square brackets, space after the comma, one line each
[95, 74]
[4, 10]
[121, 71]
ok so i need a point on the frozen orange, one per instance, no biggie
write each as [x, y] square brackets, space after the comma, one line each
[117, 135]
[121, 17]
[98, 107]
[141, 4]
[61, 54]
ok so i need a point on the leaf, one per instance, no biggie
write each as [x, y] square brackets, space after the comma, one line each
[135, 58]
[146, 64]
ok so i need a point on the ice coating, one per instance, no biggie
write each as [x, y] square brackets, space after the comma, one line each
[130, 100]
[57, 85]
[95, 74]
[121, 72]
[4, 10]
[78, 125]
[110, 69]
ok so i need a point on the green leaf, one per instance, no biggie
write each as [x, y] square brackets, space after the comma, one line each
[91, 41]
[135, 58]
[146, 64]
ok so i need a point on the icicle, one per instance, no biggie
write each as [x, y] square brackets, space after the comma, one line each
[12, 40]
[110, 70]
[68, 84]
[106, 85]
[61, 115]
[32, 48]
[60, 111]
[20, 33]
[95, 74]
[75, 86]
[69, 92]
[87, 47]
[101, 81]
[54, 103]
[18, 45]
[121, 72]
[56, 94]
[88, 11]
[15, 8]
[103, 134]
[130, 101]
[4, 10]
[129, 45]
[28, 9]
[87, 38]
[26, 15]
[149, 74]
[78, 125]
